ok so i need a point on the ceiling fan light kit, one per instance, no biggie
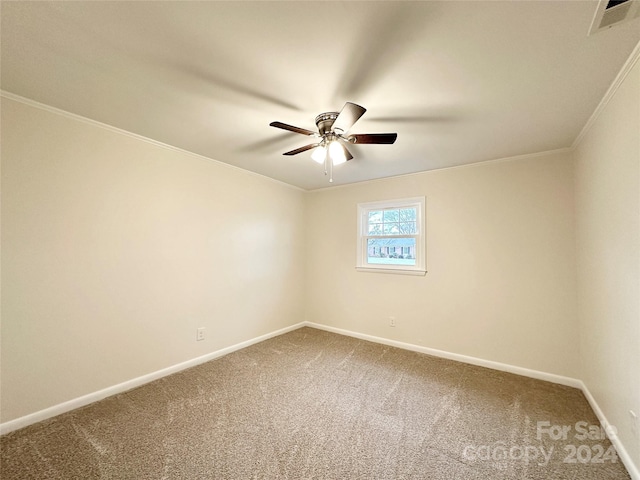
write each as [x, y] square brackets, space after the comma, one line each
[332, 132]
[319, 155]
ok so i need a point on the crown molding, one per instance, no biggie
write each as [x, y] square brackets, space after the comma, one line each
[515, 158]
[120, 131]
[615, 85]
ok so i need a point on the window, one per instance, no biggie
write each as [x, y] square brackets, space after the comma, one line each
[391, 236]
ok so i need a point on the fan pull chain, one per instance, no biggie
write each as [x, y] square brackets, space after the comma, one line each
[330, 162]
[329, 170]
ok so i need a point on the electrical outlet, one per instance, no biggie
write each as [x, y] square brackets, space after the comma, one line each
[392, 321]
[634, 424]
[200, 334]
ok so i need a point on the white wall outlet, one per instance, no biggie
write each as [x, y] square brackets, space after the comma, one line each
[392, 321]
[200, 334]
[634, 424]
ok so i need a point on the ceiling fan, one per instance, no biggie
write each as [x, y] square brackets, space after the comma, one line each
[332, 135]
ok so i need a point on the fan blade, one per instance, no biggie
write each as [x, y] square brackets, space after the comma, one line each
[380, 138]
[218, 85]
[278, 142]
[347, 153]
[349, 115]
[391, 33]
[302, 149]
[291, 128]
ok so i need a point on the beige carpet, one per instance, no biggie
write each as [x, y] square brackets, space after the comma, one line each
[312, 404]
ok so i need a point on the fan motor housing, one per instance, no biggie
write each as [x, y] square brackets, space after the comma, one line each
[324, 122]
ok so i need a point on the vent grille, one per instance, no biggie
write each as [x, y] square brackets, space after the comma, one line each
[614, 12]
[615, 3]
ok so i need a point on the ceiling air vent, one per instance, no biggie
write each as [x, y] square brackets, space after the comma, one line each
[614, 12]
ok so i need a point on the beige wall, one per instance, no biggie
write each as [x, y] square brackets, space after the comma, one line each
[500, 258]
[607, 179]
[115, 249]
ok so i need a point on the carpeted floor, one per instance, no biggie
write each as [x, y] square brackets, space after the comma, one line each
[312, 404]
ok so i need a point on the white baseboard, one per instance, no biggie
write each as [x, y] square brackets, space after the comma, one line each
[632, 468]
[526, 372]
[136, 382]
[133, 383]
[549, 377]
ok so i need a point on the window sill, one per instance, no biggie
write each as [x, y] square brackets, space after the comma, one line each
[395, 271]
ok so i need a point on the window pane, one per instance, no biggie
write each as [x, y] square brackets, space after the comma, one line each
[407, 228]
[391, 229]
[391, 216]
[375, 216]
[375, 229]
[391, 251]
[408, 215]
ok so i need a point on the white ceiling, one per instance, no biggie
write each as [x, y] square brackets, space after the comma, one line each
[461, 82]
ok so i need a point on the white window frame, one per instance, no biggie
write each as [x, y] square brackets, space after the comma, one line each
[362, 264]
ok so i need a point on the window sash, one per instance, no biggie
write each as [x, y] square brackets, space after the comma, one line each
[391, 237]
[415, 221]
